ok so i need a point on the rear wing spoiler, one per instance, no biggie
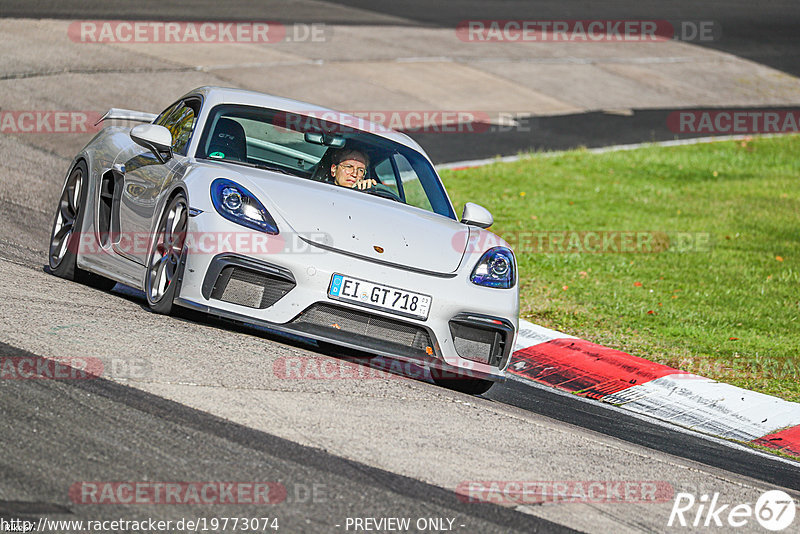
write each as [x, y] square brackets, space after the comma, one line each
[127, 115]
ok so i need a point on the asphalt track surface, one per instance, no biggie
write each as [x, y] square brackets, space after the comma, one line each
[138, 436]
[55, 432]
[563, 132]
[594, 416]
[579, 412]
[763, 32]
[766, 34]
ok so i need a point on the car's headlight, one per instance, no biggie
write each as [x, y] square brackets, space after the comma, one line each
[239, 205]
[496, 268]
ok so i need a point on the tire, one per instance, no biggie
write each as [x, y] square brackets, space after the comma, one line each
[65, 237]
[165, 261]
[470, 386]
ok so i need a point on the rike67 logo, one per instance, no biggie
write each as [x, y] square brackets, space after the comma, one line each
[774, 510]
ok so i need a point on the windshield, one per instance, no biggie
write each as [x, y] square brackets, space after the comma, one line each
[309, 147]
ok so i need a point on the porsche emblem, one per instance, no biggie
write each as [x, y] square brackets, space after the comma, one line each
[378, 249]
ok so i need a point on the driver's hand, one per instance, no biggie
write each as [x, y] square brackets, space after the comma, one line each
[365, 184]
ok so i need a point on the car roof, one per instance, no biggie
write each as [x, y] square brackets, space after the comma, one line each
[214, 96]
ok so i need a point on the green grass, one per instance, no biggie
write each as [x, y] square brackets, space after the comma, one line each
[726, 308]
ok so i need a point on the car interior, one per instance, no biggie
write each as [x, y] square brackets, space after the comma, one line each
[258, 139]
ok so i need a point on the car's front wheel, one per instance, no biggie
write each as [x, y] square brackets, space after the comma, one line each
[65, 239]
[162, 280]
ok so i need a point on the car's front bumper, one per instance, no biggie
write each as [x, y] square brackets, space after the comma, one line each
[286, 288]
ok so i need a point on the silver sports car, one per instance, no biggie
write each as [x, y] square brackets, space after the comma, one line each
[295, 217]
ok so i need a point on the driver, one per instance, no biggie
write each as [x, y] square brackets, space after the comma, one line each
[349, 169]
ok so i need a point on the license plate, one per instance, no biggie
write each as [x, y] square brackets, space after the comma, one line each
[380, 296]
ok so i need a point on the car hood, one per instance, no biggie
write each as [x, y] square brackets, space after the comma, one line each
[361, 224]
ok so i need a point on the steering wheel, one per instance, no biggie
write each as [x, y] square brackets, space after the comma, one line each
[380, 190]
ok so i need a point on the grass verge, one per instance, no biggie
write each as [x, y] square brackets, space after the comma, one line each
[698, 265]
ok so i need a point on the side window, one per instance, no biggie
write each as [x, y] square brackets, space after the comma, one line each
[385, 174]
[414, 192]
[180, 120]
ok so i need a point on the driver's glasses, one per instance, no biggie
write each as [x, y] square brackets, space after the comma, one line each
[360, 172]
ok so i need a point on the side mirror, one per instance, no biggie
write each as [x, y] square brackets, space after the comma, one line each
[154, 138]
[476, 215]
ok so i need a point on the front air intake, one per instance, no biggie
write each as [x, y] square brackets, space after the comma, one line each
[246, 281]
[249, 288]
[482, 339]
[365, 329]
